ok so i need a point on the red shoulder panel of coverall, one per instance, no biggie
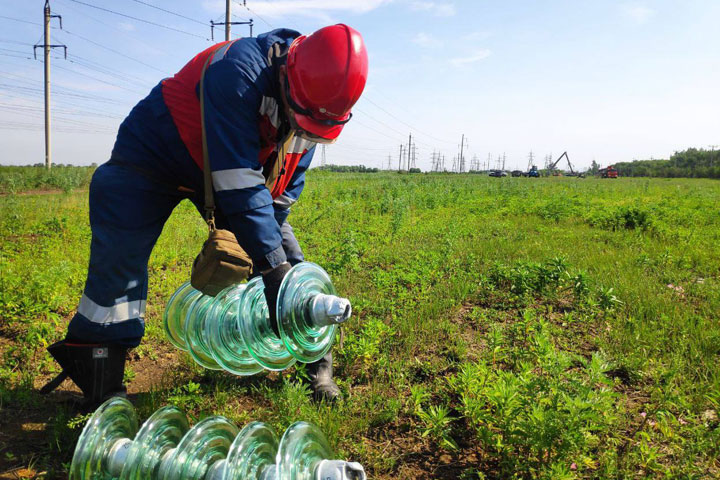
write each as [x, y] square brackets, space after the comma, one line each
[179, 94]
[184, 105]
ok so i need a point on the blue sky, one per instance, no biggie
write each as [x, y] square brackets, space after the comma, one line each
[605, 80]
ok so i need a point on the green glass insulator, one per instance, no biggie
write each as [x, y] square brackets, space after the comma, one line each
[197, 342]
[176, 311]
[205, 444]
[309, 312]
[112, 425]
[260, 339]
[304, 454]
[160, 433]
[302, 448]
[251, 454]
[223, 334]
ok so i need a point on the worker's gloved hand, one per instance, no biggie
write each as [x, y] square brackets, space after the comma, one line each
[272, 280]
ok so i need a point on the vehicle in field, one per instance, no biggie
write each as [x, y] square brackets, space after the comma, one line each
[517, 173]
[498, 173]
[533, 172]
[609, 172]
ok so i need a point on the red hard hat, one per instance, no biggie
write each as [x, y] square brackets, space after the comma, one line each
[327, 71]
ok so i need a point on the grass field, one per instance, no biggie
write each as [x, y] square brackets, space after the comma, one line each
[504, 328]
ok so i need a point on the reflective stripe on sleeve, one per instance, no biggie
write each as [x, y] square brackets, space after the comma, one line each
[236, 178]
[283, 201]
[119, 312]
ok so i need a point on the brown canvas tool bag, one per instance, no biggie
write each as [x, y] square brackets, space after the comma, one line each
[222, 261]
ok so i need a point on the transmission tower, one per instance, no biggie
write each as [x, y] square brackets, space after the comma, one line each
[461, 158]
[323, 158]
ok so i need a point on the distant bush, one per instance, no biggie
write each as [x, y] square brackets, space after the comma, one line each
[622, 218]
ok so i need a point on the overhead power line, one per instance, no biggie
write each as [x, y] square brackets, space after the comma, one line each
[114, 51]
[365, 97]
[21, 20]
[169, 11]
[255, 13]
[155, 24]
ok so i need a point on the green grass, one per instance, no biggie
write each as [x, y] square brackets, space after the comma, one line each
[19, 179]
[503, 328]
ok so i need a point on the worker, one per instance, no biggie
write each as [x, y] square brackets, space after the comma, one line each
[278, 92]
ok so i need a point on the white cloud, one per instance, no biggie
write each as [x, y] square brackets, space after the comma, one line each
[321, 9]
[127, 26]
[440, 9]
[426, 41]
[639, 14]
[476, 57]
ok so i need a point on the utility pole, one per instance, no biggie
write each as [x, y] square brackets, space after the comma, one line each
[228, 18]
[503, 161]
[322, 158]
[47, 46]
[400, 159]
[461, 159]
[228, 22]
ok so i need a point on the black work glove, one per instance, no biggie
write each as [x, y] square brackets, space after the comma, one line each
[272, 280]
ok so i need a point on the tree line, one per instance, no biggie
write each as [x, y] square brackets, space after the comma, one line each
[693, 163]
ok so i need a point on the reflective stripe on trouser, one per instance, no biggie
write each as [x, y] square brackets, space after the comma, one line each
[127, 214]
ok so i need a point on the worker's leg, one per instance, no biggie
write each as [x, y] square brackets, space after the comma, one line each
[127, 214]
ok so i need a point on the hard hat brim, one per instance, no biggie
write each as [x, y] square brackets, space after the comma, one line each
[318, 128]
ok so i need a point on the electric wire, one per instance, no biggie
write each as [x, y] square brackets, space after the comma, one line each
[134, 38]
[21, 20]
[114, 51]
[15, 56]
[155, 24]
[169, 11]
[365, 97]
[255, 14]
[92, 77]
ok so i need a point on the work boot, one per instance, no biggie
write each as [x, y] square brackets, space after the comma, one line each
[322, 384]
[96, 369]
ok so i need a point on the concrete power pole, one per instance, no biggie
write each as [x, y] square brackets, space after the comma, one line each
[400, 159]
[47, 46]
[228, 22]
[228, 19]
[461, 159]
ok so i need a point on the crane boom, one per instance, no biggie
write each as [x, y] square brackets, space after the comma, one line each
[554, 164]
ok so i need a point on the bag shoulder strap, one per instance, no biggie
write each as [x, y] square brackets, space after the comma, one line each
[207, 174]
[277, 167]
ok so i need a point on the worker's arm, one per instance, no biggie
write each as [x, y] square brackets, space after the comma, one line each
[233, 93]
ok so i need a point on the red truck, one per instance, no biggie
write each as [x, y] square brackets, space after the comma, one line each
[609, 172]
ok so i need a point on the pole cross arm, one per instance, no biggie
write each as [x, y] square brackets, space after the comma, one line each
[35, 47]
[214, 24]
